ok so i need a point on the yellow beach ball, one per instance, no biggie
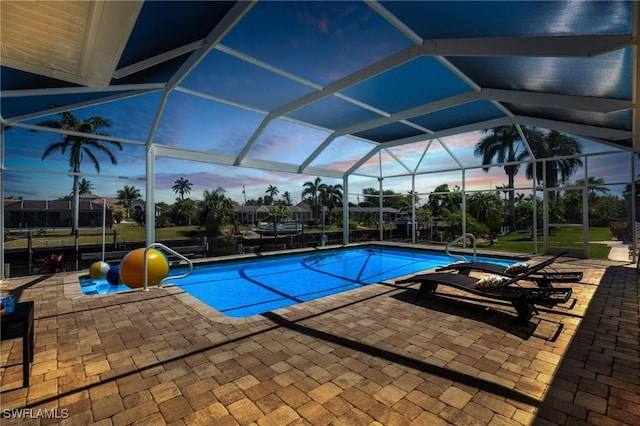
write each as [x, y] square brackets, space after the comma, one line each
[98, 270]
[131, 268]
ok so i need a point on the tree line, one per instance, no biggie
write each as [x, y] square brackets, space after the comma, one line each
[501, 145]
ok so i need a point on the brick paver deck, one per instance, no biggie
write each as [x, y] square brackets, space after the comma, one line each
[368, 356]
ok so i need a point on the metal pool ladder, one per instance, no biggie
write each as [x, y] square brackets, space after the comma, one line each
[459, 256]
[175, 253]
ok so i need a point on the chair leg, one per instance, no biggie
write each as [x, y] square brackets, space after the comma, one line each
[545, 283]
[27, 356]
[525, 310]
[428, 288]
[31, 344]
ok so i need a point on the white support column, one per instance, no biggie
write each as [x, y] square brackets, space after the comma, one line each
[635, 237]
[150, 205]
[545, 210]
[534, 194]
[464, 208]
[635, 115]
[345, 210]
[2, 277]
[381, 214]
[585, 210]
[381, 201]
[413, 208]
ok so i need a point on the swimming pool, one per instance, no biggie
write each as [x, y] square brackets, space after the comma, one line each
[249, 287]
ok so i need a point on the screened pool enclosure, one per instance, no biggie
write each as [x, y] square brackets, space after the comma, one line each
[440, 102]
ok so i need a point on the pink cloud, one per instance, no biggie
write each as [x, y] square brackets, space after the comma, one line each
[323, 25]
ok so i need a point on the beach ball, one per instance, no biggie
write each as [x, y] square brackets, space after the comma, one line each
[113, 275]
[131, 268]
[98, 270]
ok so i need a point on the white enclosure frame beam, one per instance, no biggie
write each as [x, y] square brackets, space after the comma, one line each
[150, 204]
[581, 103]
[2, 277]
[345, 210]
[635, 29]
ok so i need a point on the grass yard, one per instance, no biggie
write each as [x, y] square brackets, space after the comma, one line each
[571, 238]
[517, 242]
[125, 232]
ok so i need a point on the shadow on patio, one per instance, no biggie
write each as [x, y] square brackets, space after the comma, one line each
[598, 379]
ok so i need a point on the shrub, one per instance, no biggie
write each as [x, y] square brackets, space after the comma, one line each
[618, 229]
[118, 213]
[313, 223]
[226, 245]
[52, 263]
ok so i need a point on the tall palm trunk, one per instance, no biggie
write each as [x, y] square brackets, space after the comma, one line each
[75, 210]
[512, 203]
[511, 175]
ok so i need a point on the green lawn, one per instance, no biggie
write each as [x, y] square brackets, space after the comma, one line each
[125, 232]
[517, 242]
[522, 242]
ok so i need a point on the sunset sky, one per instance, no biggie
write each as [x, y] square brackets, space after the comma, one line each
[25, 148]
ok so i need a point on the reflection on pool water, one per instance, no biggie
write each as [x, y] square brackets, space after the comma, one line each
[93, 286]
[248, 287]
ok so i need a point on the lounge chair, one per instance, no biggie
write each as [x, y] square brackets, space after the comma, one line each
[541, 279]
[523, 299]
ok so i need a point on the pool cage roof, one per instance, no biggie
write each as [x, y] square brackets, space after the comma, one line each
[362, 78]
[388, 73]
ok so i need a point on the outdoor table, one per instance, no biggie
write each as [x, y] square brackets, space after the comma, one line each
[20, 324]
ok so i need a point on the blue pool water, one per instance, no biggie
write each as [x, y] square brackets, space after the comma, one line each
[249, 287]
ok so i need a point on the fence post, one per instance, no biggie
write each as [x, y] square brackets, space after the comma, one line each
[636, 248]
[77, 247]
[30, 251]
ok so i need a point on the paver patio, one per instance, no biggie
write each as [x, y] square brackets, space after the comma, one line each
[369, 356]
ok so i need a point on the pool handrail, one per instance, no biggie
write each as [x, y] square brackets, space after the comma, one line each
[175, 253]
[459, 256]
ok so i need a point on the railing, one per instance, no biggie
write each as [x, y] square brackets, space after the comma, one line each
[461, 237]
[175, 253]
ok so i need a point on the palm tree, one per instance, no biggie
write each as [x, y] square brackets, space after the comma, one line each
[500, 144]
[486, 207]
[312, 188]
[182, 211]
[79, 148]
[127, 194]
[330, 196]
[444, 200]
[558, 170]
[272, 191]
[286, 197]
[216, 209]
[281, 212]
[594, 185]
[85, 186]
[182, 186]
[573, 200]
